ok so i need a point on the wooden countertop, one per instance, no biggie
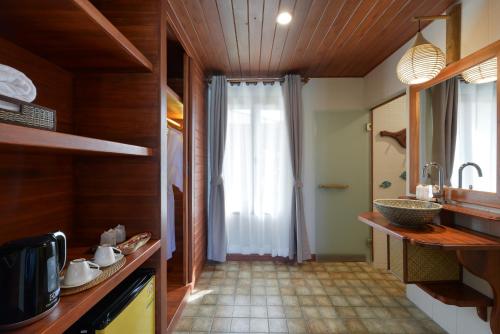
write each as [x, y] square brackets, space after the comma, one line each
[437, 236]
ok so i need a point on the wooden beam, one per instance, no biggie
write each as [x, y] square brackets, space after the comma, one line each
[453, 34]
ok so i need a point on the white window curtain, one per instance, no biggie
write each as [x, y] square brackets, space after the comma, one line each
[476, 135]
[257, 171]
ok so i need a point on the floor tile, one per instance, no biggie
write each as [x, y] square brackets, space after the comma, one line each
[293, 312]
[241, 311]
[335, 326]
[296, 326]
[276, 312]
[258, 311]
[240, 325]
[278, 326]
[317, 326]
[259, 326]
[221, 325]
[274, 297]
[201, 324]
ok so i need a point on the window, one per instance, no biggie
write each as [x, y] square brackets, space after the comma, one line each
[257, 171]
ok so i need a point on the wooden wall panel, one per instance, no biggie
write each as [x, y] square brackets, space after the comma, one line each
[42, 185]
[175, 266]
[197, 105]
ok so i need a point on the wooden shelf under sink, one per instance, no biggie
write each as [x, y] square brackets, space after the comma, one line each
[458, 294]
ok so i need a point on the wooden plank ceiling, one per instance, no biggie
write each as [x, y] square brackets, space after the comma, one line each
[326, 38]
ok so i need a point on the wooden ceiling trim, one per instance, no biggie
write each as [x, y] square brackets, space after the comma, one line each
[406, 31]
[343, 19]
[215, 50]
[184, 37]
[280, 37]
[327, 20]
[392, 12]
[365, 15]
[301, 12]
[397, 22]
[255, 17]
[310, 25]
[226, 18]
[200, 29]
[240, 13]
[268, 32]
[210, 10]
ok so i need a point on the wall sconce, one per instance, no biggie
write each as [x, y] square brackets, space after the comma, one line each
[423, 61]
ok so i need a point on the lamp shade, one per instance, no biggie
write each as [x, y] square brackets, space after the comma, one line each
[422, 62]
[482, 73]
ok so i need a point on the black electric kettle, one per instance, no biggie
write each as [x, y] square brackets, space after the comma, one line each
[29, 278]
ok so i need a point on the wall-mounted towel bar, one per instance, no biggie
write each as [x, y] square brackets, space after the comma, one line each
[333, 186]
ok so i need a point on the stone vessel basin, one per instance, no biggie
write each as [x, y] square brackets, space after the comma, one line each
[407, 212]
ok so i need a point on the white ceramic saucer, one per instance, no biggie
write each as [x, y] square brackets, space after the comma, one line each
[118, 257]
[94, 273]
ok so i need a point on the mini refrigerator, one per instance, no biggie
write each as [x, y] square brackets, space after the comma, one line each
[128, 309]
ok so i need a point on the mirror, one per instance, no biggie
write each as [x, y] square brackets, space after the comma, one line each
[458, 128]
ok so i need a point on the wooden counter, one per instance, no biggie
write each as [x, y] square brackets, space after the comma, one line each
[446, 237]
[72, 307]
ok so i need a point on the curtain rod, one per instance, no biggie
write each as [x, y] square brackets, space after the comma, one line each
[255, 80]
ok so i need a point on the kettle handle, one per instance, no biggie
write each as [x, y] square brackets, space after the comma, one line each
[61, 248]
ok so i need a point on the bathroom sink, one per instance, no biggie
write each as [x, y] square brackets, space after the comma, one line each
[407, 212]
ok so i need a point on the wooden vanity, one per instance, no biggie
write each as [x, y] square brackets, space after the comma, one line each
[477, 252]
[455, 246]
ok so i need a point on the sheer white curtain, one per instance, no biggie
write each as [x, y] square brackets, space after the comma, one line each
[476, 135]
[257, 171]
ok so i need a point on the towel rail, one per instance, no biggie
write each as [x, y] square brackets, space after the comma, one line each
[333, 186]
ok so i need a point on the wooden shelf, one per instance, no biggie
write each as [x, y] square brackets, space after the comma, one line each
[473, 212]
[72, 34]
[19, 137]
[459, 294]
[456, 293]
[72, 307]
[175, 108]
[437, 236]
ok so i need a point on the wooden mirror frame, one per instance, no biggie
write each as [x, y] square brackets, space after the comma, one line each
[460, 195]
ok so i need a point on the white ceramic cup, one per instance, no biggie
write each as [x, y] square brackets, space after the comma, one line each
[105, 255]
[79, 271]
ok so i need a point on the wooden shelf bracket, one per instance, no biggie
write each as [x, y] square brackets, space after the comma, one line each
[486, 265]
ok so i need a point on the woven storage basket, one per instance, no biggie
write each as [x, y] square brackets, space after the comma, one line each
[30, 115]
[413, 264]
[106, 273]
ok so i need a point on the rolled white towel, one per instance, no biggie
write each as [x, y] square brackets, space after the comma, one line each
[15, 84]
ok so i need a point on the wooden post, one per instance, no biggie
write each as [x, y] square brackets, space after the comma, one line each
[453, 28]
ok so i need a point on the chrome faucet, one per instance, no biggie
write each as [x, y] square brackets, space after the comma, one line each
[461, 169]
[438, 195]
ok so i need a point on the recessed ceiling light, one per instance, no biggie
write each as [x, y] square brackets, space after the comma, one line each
[284, 18]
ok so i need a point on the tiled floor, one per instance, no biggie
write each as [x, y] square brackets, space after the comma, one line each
[262, 297]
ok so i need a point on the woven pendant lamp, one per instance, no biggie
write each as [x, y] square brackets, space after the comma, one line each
[482, 73]
[422, 62]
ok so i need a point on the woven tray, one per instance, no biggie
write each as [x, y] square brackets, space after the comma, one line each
[106, 273]
[134, 243]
